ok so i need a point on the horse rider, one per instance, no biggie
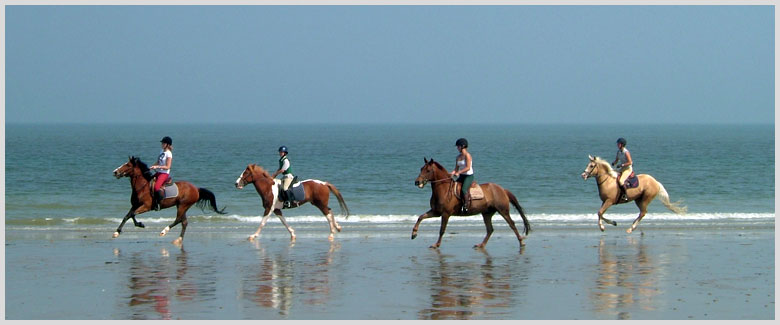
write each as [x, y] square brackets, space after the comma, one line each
[163, 167]
[465, 173]
[287, 175]
[623, 165]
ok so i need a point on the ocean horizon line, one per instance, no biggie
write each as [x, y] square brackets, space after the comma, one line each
[357, 123]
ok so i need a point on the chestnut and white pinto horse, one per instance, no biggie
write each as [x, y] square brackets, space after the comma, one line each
[648, 189]
[317, 192]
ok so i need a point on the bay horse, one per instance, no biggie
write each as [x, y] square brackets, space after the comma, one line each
[141, 197]
[444, 203]
[648, 189]
[317, 192]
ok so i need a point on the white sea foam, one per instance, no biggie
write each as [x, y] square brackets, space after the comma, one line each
[392, 218]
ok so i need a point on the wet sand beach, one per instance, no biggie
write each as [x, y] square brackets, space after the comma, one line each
[660, 272]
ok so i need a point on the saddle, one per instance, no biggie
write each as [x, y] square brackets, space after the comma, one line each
[475, 190]
[169, 188]
[632, 181]
[295, 194]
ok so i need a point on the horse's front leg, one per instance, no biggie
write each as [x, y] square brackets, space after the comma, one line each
[444, 219]
[426, 215]
[130, 214]
[278, 213]
[604, 206]
[266, 215]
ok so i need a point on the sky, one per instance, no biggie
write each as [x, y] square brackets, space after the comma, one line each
[390, 64]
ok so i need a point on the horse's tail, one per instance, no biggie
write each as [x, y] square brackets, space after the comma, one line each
[514, 201]
[342, 204]
[207, 197]
[676, 207]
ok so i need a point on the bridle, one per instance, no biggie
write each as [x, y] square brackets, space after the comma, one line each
[590, 174]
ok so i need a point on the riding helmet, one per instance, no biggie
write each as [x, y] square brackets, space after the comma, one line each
[167, 140]
[283, 149]
[621, 141]
[462, 142]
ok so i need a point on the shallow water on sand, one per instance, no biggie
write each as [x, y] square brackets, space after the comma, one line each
[659, 272]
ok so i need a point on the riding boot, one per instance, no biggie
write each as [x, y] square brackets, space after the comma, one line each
[466, 203]
[156, 200]
[623, 197]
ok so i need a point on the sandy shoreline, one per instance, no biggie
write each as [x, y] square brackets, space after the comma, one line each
[677, 273]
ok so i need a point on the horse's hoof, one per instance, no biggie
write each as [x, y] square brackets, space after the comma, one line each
[479, 246]
[115, 235]
[414, 236]
[178, 241]
[330, 238]
[629, 230]
[141, 225]
[165, 231]
[614, 223]
[338, 228]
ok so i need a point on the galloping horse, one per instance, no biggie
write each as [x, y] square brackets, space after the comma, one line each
[317, 192]
[445, 204]
[606, 180]
[141, 197]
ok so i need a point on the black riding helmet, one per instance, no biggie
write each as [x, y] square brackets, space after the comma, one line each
[167, 140]
[621, 141]
[462, 142]
[283, 149]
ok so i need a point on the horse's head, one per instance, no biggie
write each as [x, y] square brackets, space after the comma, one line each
[428, 173]
[595, 166]
[252, 173]
[127, 169]
[132, 168]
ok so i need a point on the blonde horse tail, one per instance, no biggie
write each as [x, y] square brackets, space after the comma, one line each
[342, 204]
[676, 207]
[513, 200]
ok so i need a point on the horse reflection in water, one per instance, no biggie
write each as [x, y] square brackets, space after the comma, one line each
[279, 279]
[155, 283]
[627, 279]
[466, 290]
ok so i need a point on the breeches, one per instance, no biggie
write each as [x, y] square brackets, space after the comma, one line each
[466, 180]
[161, 179]
[624, 175]
[286, 181]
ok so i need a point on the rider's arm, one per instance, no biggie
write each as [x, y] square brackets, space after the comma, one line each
[628, 159]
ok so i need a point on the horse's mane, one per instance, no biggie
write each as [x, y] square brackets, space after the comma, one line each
[606, 166]
[262, 171]
[145, 171]
[438, 165]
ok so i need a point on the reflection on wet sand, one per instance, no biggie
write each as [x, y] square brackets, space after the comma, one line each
[155, 283]
[627, 279]
[467, 290]
[278, 280]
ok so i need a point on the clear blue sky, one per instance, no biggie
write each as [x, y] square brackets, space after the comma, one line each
[396, 64]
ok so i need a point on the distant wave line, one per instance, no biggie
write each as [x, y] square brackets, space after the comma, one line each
[403, 219]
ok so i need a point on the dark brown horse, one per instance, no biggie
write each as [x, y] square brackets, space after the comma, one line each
[317, 192]
[141, 197]
[444, 203]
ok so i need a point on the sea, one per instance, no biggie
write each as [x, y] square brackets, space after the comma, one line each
[59, 176]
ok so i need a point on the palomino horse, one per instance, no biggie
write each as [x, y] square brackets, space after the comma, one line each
[141, 197]
[317, 192]
[445, 204]
[606, 180]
